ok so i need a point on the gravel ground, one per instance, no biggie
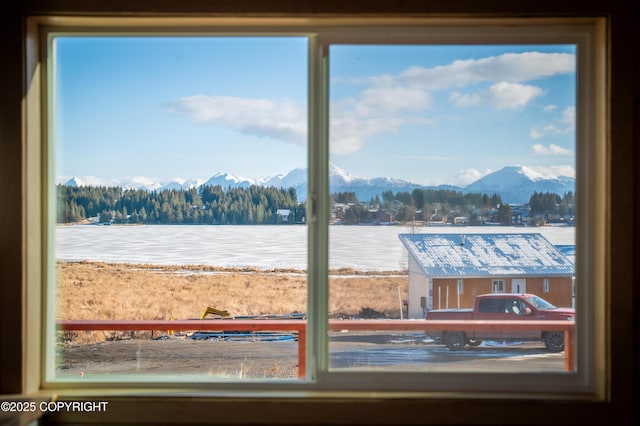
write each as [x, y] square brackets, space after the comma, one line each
[243, 358]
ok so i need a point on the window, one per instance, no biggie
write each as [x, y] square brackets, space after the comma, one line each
[406, 119]
[545, 286]
[494, 306]
[515, 307]
[460, 286]
[323, 43]
[195, 156]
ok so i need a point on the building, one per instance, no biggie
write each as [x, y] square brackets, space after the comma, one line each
[450, 270]
[283, 214]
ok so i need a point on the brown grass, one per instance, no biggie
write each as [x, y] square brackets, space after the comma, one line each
[92, 290]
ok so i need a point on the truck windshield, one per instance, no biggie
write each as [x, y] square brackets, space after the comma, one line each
[539, 303]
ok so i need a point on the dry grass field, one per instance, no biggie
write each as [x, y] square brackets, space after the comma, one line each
[90, 290]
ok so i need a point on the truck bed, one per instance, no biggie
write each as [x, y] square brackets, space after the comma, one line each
[450, 314]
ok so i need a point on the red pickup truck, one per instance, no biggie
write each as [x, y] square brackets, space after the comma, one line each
[502, 306]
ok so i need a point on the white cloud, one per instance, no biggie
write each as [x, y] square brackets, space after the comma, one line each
[549, 108]
[535, 134]
[558, 150]
[569, 117]
[464, 100]
[375, 110]
[389, 102]
[539, 149]
[509, 67]
[506, 95]
[465, 177]
[281, 120]
[500, 96]
[348, 132]
[394, 98]
[563, 125]
[507, 72]
[352, 123]
[551, 149]
[541, 131]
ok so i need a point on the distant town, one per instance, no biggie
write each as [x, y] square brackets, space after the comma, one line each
[443, 207]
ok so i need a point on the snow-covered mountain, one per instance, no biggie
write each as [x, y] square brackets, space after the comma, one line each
[295, 178]
[136, 182]
[514, 184]
[227, 180]
[365, 189]
[178, 184]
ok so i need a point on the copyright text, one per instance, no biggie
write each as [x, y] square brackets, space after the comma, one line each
[53, 406]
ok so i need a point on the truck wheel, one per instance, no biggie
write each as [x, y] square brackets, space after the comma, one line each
[454, 340]
[474, 342]
[554, 341]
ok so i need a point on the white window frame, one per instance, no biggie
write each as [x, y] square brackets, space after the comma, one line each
[545, 285]
[591, 250]
[498, 286]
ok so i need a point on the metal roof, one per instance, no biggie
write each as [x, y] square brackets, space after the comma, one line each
[568, 250]
[481, 255]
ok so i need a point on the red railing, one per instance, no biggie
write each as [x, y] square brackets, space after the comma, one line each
[300, 327]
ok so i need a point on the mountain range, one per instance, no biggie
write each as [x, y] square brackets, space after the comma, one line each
[514, 184]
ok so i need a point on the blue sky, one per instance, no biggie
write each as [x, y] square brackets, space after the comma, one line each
[189, 108]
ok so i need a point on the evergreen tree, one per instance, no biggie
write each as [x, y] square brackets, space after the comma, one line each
[105, 216]
[142, 215]
[496, 200]
[417, 196]
[505, 214]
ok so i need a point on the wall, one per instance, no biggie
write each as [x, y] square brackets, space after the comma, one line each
[418, 288]
[622, 197]
[560, 291]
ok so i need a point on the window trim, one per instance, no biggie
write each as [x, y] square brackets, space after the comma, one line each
[591, 159]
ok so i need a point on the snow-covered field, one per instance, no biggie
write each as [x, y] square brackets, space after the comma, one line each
[358, 247]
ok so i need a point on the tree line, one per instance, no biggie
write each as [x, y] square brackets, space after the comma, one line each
[207, 204]
[256, 205]
[550, 203]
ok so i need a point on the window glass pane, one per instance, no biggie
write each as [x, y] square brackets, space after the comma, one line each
[449, 163]
[181, 178]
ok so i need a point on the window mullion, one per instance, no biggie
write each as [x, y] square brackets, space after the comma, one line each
[318, 209]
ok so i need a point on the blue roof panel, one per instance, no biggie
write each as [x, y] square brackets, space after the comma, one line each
[444, 255]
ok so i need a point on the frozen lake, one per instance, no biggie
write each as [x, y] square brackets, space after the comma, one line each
[264, 247]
